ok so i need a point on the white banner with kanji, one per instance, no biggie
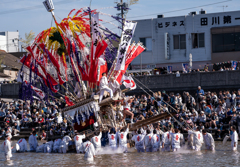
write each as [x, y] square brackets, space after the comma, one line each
[95, 32]
[39, 92]
[126, 39]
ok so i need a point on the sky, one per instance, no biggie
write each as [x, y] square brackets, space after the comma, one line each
[27, 15]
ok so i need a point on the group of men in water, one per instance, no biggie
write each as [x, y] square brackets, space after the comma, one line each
[148, 140]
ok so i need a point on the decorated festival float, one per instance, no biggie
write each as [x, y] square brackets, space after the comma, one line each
[80, 44]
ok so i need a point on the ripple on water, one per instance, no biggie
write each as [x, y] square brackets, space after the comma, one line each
[223, 156]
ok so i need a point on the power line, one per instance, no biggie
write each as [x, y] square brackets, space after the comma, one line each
[34, 7]
[182, 9]
[175, 10]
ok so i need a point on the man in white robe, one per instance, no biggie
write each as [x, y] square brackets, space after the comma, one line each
[64, 144]
[197, 139]
[208, 140]
[89, 150]
[112, 138]
[122, 136]
[32, 141]
[147, 141]
[166, 140]
[56, 145]
[21, 145]
[48, 147]
[155, 141]
[114, 85]
[176, 140]
[104, 87]
[7, 147]
[78, 142]
[139, 141]
[234, 138]
[96, 140]
[40, 149]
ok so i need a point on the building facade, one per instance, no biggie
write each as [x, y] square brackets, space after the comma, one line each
[209, 38]
[9, 41]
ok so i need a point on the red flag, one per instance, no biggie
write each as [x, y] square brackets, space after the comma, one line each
[54, 62]
[103, 67]
[133, 54]
[94, 62]
[69, 103]
[83, 73]
[128, 82]
[39, 92]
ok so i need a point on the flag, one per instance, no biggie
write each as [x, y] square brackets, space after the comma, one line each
[54, 62]
[95, 32]
[234, 64]
[185, 66]
[94, 62]
[39, 92]
[128, 82]
[169, 69]
[68, 101]
[126, 39]
[102, 64]
[135, 51]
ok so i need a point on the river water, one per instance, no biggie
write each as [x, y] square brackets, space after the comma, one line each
[223, 156]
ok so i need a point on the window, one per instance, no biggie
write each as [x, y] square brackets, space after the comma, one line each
[198, 40]
[147, 42]
[179, 41]
[228, 42]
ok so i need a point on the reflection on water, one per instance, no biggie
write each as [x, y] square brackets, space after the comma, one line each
[223, 156]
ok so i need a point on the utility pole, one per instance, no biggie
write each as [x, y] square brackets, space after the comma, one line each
[122, 11]
[123, 6]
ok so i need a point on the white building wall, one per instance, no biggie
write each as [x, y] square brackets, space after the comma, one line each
[192, 24]
[3, 42]
[9, 41]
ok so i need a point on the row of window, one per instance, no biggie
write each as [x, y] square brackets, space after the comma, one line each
[227, 42]
[179, 41]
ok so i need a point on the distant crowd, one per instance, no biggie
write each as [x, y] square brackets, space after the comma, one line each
[17, 115]
[208, 110]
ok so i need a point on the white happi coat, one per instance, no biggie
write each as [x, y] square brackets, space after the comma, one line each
[114, 86]
[56, 145]
[139, 141]
[112, 138]
[166, 139]
[89, 150]
[197, 138]
[40, 149]
[103, 83]
[48, 147]
[208, 140]
[78, 142]
[21, 145]
[176, 140]
[64, 144]
[96, 141]
[155, 142]
[122, 136]
[234, 138]
[32, 141]
[147, 142]
[6, 146]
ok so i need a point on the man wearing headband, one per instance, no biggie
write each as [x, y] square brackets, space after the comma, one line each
[7, 147]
